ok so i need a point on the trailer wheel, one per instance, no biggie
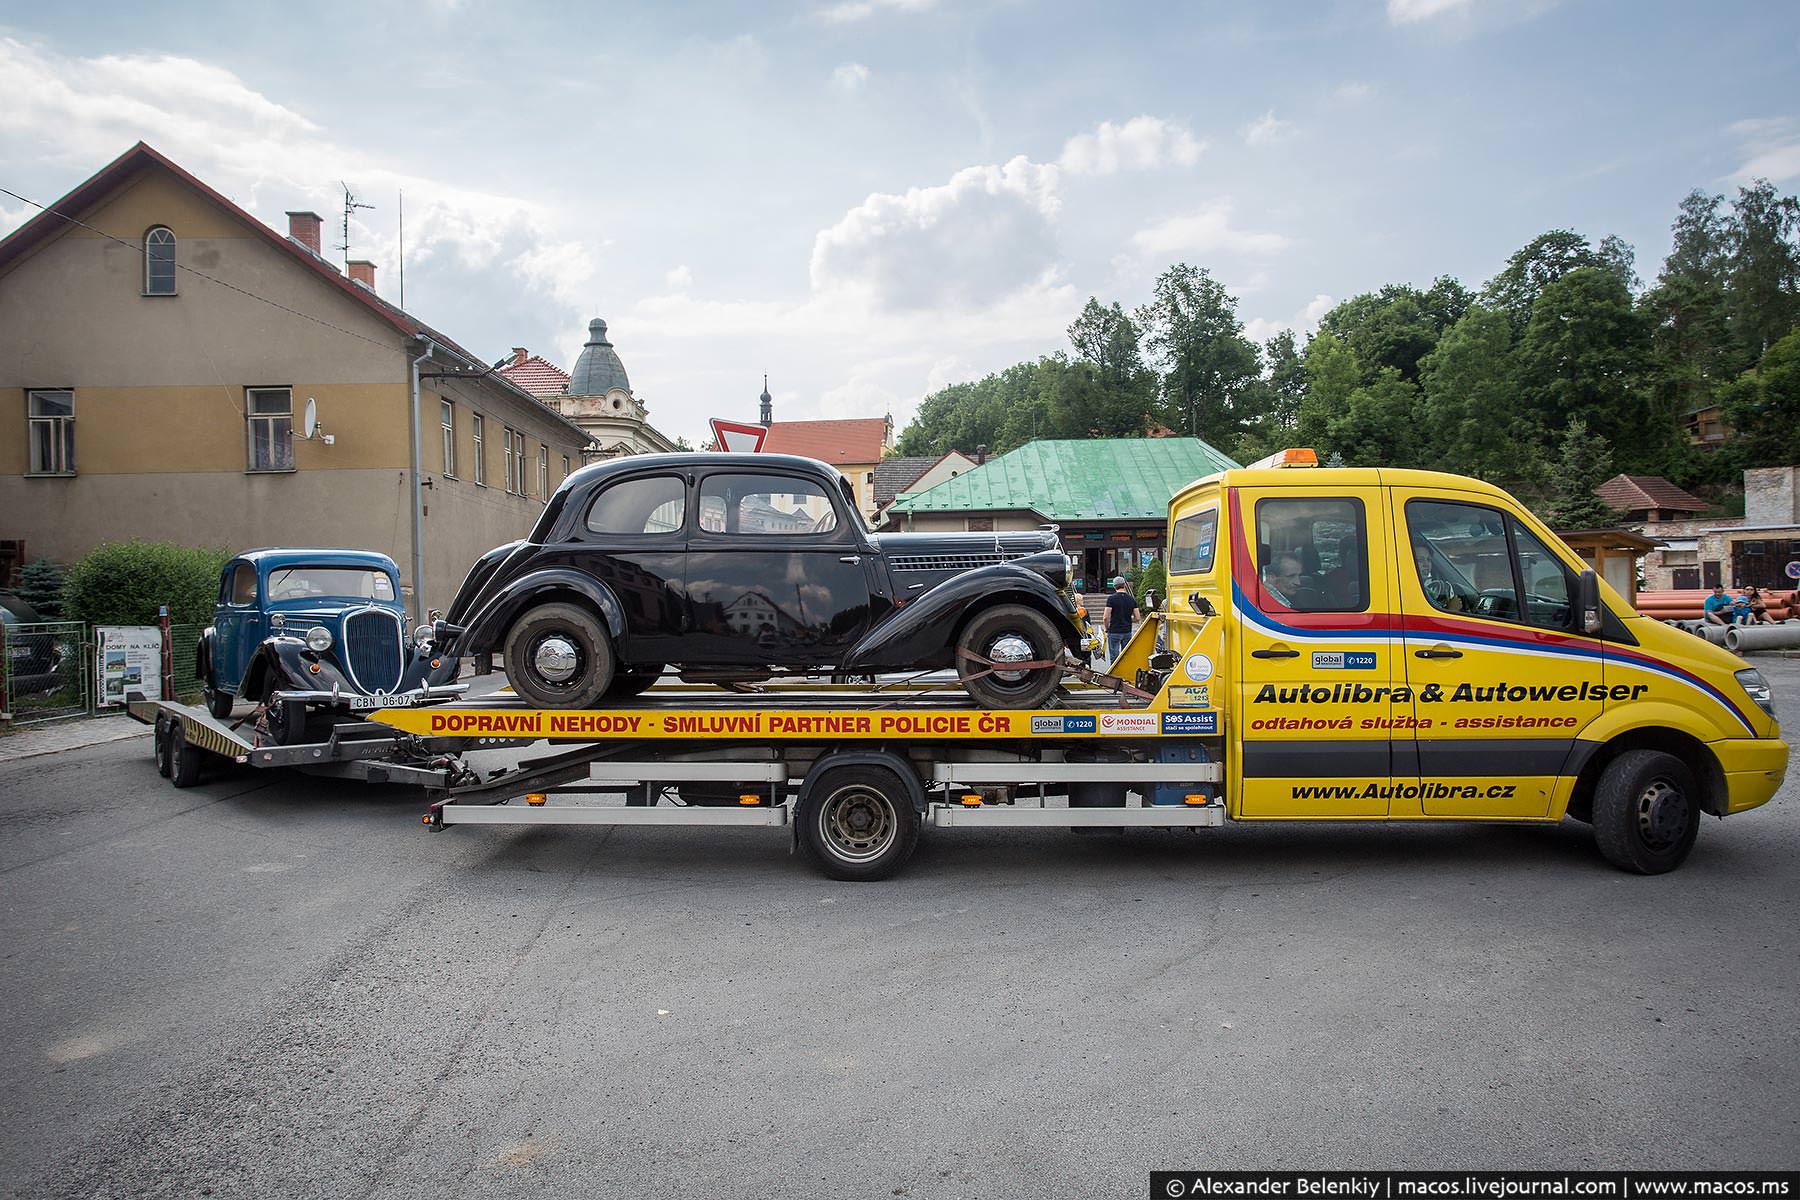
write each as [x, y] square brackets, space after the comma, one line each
[162, 747]
[1646, 812]
[557, 656]
[858, 824]
[1019, 634]
[185, 760]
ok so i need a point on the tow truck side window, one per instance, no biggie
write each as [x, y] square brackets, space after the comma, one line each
[1191, 547]
[1473, 559]
[1312, 553]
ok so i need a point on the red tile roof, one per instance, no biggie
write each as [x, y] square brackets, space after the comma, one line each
[537, 376]
[839, 443]
[1638, 493]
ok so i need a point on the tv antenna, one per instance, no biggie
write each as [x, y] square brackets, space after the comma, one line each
[350, 203]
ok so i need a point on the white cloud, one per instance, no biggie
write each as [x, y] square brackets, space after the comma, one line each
[1206, 231]
[861, 10]
[850, 77]
[1772, 146]
[969, 242]
[1354, 89]
[1407, 12]
[1139, 144]
[1260, 329]
[1267, 129]
[679, 277]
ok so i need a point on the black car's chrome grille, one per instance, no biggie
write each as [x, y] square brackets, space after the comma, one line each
[954, 562]
[372, 644]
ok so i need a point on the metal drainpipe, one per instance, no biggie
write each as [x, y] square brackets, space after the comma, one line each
[418, 494]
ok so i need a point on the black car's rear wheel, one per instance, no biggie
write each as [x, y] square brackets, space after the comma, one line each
[1010, 633]
[558, 656]
[634, 682]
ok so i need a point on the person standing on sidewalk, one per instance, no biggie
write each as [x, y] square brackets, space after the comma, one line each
[1121, 615]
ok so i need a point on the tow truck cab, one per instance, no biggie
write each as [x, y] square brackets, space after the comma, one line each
[1393, 644]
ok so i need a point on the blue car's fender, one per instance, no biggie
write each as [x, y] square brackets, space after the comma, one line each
[482, 633]
[923, 634]
[284, 664]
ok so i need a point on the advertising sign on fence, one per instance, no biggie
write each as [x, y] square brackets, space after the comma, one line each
[127, 658]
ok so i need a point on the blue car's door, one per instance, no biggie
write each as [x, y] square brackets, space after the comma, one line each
[237, 625]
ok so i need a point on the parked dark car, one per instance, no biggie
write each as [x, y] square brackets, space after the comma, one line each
[37, 662]
[322, 627]
[737, 567]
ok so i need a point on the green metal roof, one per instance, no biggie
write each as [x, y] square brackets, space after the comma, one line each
[1086, 479]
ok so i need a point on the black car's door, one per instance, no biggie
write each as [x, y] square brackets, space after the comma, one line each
[776, 572]
[631, 539]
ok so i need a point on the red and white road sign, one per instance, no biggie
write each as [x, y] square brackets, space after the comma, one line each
[737, 437]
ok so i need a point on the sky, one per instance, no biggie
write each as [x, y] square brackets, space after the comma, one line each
[871, 199]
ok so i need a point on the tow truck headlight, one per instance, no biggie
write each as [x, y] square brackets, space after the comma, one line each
[318, 639]
[1757, 688]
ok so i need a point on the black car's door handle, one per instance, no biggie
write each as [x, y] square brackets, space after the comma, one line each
[851, 558]
[1437, 652]
[1283, 652]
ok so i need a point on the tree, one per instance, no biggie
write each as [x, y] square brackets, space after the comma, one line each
[1585, 355]
[1763, 284]
[1379, 426]
[1281, 388]
[1192, 329]
[1108, 340]
[1396, 326]
[1764, 406]
[1477, 422]
[124, 583]
[1545, 259]
[41, 586]
[1332, 374]
[1583, 463]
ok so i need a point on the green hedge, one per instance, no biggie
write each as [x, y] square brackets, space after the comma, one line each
[124, 583]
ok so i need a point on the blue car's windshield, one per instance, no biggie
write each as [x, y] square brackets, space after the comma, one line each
[312, 583]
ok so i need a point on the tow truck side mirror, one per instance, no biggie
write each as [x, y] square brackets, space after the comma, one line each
[1588, 595]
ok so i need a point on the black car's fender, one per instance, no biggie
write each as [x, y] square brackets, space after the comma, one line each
[486, 629]
[285, 664]
[203, 653]
[924, 632]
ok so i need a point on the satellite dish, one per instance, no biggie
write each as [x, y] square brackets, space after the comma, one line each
[312, 416]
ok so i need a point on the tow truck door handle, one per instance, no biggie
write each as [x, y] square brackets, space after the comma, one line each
[1275, 652]
[1437, 652]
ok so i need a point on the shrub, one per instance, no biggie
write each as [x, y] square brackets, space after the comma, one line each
[1155, 579]
[41, 586]
[124, 583]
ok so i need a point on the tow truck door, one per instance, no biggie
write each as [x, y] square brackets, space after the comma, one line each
[1311, 589]
[1502, 679]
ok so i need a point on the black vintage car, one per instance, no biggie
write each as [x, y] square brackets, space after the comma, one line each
[737, 567]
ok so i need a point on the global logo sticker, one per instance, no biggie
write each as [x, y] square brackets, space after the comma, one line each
[1199, 668]
[1343, 660]
[1046, 724]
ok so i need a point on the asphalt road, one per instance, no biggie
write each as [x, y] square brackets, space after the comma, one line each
[277, 986]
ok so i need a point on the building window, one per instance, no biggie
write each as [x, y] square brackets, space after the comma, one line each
[480, 462]
[544, 471]
[269, 412]
[506, 441]
[51, 417]
[565, 473]
[449, 419]
[159, 262]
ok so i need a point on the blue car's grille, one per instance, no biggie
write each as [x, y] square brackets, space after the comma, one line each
[372, 642]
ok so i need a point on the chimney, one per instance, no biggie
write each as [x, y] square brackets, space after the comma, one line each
[362, 271]
[304, 228]
[520, 354]
[981, 454]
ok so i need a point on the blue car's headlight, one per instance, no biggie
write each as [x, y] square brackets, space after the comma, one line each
[318, 639]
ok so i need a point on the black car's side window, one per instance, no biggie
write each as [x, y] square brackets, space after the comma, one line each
[652, 504]
[765, 504]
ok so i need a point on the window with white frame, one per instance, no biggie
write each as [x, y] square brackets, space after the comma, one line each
[518, 463]
[159, 262]
[565, 473]
[449, 420]
[544, 471]
[269, 414]
[475, 427]
[51, 421]
[512, 460]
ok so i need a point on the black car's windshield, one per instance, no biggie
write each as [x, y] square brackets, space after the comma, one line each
[307, 583]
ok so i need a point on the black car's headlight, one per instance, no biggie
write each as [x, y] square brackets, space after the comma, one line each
[1757, 688]
[318, 639]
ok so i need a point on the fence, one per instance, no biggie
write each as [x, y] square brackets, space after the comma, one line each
[181, 642]
[44, 670]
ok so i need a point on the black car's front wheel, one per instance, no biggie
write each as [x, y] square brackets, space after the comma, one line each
[1009, 633]
[558, 656]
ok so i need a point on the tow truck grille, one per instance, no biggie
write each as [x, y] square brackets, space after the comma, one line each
[372, 644]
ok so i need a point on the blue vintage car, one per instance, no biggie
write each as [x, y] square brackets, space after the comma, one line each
[303, 629]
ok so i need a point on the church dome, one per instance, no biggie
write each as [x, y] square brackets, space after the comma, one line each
[598, 370]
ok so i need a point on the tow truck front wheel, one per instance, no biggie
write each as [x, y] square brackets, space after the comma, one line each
[1646, 812]
[858, 824]
[557, 656]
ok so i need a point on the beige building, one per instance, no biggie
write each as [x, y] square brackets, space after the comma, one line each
[159, 347]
